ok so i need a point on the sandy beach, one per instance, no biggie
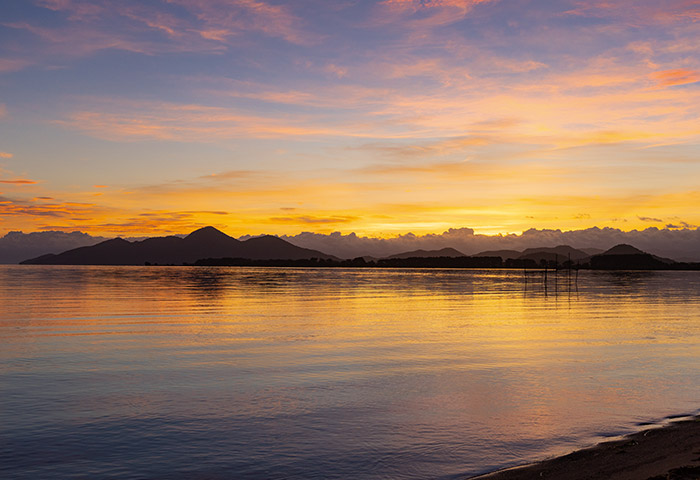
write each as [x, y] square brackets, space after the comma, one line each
[671, 452]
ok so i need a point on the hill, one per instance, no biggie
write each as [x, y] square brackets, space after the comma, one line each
[207, 242]
[627, 257]
[444, 252]
[555, 255]
[504, 254]
[561, 253]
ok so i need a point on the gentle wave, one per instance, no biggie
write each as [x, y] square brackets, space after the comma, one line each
[183, 372]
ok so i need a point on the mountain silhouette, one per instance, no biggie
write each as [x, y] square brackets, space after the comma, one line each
[592, 251]
[444, 252]
[627, 257]
[623, 249]
[560, 253]
[563, 252]
[504, 254]
[207, 242]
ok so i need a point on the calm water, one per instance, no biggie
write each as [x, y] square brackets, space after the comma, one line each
[253, 373]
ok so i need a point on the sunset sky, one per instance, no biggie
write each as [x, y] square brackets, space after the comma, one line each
[376, 117]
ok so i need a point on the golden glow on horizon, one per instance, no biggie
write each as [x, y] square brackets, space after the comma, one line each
[405, 116]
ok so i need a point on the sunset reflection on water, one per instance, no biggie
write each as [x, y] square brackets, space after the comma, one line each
[332, 373]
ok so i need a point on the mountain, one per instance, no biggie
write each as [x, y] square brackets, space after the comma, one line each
[627, 257]
[504, 254]
[592, 251]
[561, 253]
[207, 242]
[444, 252]
[623, 249]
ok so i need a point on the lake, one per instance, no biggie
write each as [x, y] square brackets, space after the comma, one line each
[282, 373]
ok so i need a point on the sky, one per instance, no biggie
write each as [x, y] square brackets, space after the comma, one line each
[376, 117]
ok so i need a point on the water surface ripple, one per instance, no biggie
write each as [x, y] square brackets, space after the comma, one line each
[281, 373]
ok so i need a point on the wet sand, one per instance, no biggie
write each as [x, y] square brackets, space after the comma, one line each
[671, 452]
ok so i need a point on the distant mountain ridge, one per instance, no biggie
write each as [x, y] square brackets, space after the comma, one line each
[558, 254]
[207, 242]
[561, 251]
[680, 245]
[504, 254]
[443, 252]
[209, 246]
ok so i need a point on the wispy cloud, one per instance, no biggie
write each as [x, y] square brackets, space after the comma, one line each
[226, 18]
[19, 181]
[78, 10]
[159, 27]
[13, 64]
[311, 220]
[425, 13]
[190, 122]
[669, 78]
[42, 210]
[428, 148]
[6, 155]
[640, 13]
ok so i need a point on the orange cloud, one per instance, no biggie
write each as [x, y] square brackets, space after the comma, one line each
[6, 155]
[669, 78]
[17, 208]
[218, 34]
[19, 181]
[306, 219]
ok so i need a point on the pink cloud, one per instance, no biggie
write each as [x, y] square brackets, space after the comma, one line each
[223, 18]
[680, 76]
[79, 10]
[13, 64]
[336, 70]
[640, 12]
[426, 13]
[106, 24]
[188, 122]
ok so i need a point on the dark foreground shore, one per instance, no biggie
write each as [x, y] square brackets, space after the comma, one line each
[668, 453]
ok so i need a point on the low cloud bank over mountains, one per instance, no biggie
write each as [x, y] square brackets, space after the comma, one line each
[18, 246]
[678, 244]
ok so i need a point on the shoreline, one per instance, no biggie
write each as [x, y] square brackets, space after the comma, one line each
[668, 452]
